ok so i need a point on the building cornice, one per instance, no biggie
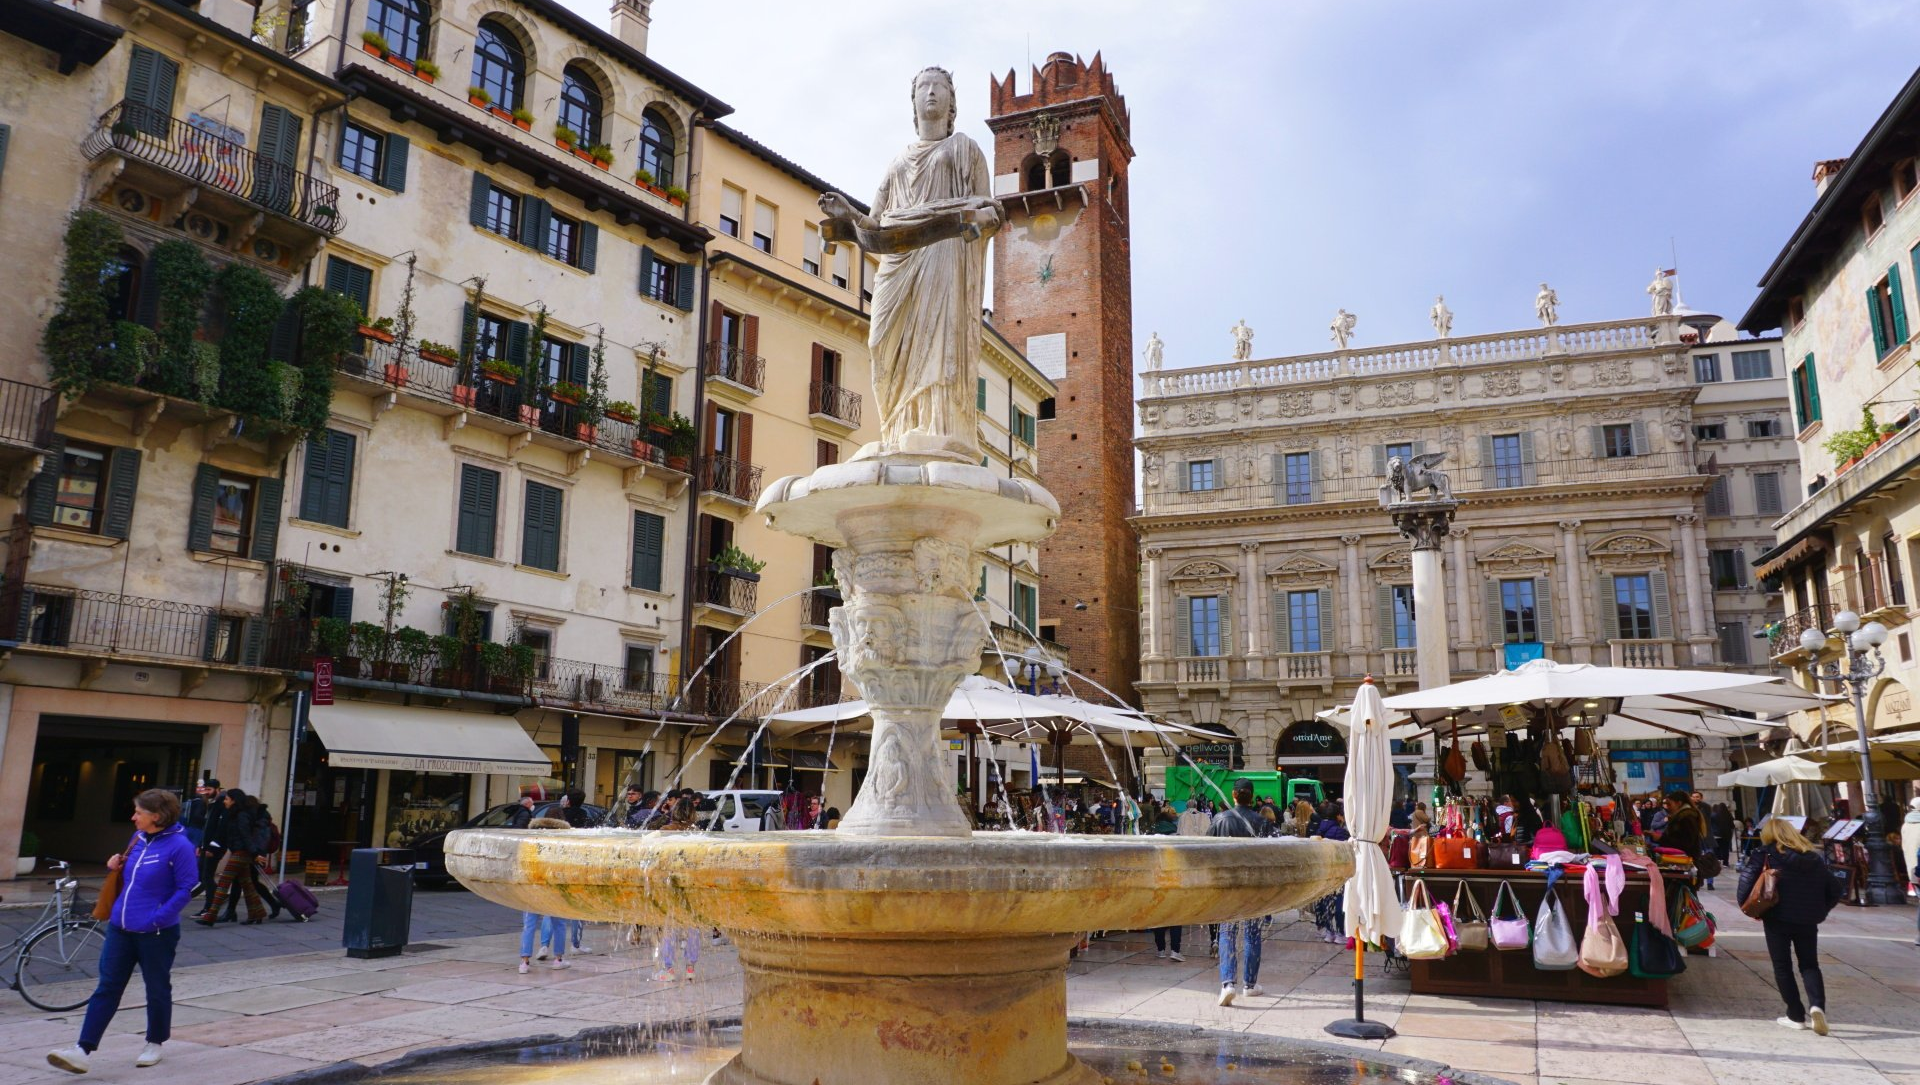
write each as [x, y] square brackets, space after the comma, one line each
[1338, 516]
[74, 37]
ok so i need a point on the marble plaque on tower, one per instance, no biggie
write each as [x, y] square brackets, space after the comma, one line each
[1048, 353]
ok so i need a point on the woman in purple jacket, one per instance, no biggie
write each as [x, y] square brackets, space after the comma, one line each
[157, 874]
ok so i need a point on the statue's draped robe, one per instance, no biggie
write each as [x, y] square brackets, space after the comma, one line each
[925, 336]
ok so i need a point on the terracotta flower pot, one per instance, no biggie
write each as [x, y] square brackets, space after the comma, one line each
[433, 357]
[370, 49]
[396, 374]
[524, 126]
[584, 433]
[500, 378]
[423, 76]
[566, 399]
[463, 395]
[529, 414]
[642, 450]
[618, 417]
[480, 102]
[372, 332]
[678, 463]
[503, 114]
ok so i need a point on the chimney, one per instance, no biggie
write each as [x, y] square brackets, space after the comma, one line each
[1824, 173]
[630, 21]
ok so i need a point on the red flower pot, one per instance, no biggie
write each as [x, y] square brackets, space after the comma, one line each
[396, 374]
[463, 395]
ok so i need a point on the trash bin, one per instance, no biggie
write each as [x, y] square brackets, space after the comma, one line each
[379, 902]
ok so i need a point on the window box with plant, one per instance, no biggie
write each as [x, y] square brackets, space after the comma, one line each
[677, 195]
[522, 118]
[427, 70]
[568, 393]
[622, 411]
[438, 352]
[500, 371]
[1849, 445]
[479, 96]
[737, 563]
[381, 329]
[449, 662]
[679, 442]
[333, 638]
[827, 586]
[565, 137]
[373, 43]
[369, 645]
[411, 648]
[601, 155]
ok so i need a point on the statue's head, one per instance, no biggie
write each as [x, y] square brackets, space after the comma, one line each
[1396, 469]
[933, 96]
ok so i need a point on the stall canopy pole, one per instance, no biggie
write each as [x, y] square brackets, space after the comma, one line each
[300, 701]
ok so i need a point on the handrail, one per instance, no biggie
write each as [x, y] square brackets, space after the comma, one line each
[737, 366]
[729, 477]
[834, 402]
[153, 135]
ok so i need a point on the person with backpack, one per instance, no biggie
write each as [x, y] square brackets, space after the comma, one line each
[246, 835]
[1786, 884]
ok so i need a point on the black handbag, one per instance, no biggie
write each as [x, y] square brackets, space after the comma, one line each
[1652, 955]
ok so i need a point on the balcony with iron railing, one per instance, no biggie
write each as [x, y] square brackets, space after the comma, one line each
[27, 413]
[727, 477]
[198, 161]
[1783, 636]
[105, 623]
[291, 645]
[1484, 480]
[736, 366]
[725, 589]
[608, 688]
[834, 403]
[819, 609]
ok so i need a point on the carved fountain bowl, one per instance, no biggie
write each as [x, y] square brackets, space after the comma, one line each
[834, 885]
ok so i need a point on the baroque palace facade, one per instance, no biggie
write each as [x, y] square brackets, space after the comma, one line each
[1614, 479]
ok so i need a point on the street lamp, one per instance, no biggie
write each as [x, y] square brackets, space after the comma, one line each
[1033, 663]
[1860, 646]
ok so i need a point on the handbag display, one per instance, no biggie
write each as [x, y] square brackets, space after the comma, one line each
[1480, 759]
[1420, 852]
[110, 888]
[1694, 925]
[1555, 949]
[1456, 853]
[1764, 894]
[1422, 938]
[1513, 933]
[1505, 856]
[1652, 955]
[1446, 924]
[1470, 935]
[1603, 952]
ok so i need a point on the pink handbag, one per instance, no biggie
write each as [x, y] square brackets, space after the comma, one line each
[1505, 933]
[1446, 923]
[1548, 840]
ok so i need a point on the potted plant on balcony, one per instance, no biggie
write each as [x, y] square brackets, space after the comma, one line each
[427, 70]
[381, 329]
[437, 352]
[679, 442]
[602, 155]
[496, 663]
[522, 118]
[369, 644]
[737, 563]
[568, 393]
[826, 585]
[479, 96]
[677, 195]
[1847, 446]
[621, 411]
[334, 637]
[565, 137]
[411, 647]
[373, 43]
[500, 371]
[449, 662]
[644, 178]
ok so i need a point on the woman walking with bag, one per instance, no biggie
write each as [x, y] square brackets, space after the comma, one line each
[1785, 884]
[156, 876]
[246, 836]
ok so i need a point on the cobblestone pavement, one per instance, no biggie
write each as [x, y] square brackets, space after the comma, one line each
[250, 1018]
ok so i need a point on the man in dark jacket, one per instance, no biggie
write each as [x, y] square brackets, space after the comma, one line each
[208, 815]
[1240, 940]
[1685, 830]
[522, 815]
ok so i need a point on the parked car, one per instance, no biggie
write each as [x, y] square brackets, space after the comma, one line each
[430, 849]
[734, 811]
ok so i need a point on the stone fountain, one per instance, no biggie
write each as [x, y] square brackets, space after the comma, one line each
[903, 947]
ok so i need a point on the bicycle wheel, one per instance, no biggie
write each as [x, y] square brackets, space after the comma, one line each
[60, 965]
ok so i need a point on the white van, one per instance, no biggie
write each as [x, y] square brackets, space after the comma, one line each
[734, 811]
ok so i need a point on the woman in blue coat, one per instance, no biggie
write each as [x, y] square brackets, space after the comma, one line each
[157, 875]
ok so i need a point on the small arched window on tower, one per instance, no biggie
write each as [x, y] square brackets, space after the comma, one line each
[1033, 174]
[1061, 167]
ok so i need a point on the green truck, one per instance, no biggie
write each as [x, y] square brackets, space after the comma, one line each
[1213, 781]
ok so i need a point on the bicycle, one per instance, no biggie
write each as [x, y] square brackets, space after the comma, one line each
[58, 959]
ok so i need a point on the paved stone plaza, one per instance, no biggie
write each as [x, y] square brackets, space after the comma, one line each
[298, 1002]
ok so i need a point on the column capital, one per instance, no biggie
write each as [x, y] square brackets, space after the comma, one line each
[1687, 519]
[1249, 547]
[1570, 525]
[1351, 540]
[1424, 523]
[1154, 552]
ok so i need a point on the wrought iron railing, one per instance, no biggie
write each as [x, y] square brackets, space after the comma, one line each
[602, 685]
[720, 588]
[736, 366]
[819, 607]
[27, 413]
[729, 477]
[87, 620]
[155, 136]
[834, 402]
[1783, 636]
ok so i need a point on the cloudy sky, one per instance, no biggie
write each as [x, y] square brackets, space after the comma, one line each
[1295, 156]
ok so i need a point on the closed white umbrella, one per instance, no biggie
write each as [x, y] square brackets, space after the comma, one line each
[1372, 906]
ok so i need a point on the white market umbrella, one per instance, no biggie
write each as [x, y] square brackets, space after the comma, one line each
[1544, 683]
[1895, 757]
[1371, 904]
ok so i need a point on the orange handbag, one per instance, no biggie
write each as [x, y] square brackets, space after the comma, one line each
[1420, 852]
[1456, 853]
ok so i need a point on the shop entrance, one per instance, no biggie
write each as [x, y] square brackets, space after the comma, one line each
[1315, 750]
[86, 772]
[332, 807]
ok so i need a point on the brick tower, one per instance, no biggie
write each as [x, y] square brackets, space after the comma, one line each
[1063, 293]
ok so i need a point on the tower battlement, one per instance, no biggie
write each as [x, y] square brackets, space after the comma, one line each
[1063, 78]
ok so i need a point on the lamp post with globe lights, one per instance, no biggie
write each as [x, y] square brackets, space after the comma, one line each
[1860, 663]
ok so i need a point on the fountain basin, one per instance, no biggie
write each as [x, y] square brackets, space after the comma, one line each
[904, 960]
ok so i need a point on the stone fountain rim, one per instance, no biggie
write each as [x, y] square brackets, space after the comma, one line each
[1009, 509]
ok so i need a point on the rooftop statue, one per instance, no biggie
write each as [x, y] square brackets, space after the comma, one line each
[929, 225]
[1342, 327]
[1661, 290]
[1242, 342]
[1546, 306]
[1442, 317]
[1154, 349]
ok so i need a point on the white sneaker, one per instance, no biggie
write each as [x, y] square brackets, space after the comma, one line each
[149, 1055]
[1227, 994]
[561, 962]
[1174, 955]
[665, 975]
[1252, 990]
[1160, 953]
[1788, 1022]
[541, 956]
[582, 950]
[1818, 1018]
[524, 967]
[71, 1059]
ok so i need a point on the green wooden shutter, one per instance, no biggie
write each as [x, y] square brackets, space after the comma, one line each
[1279, 478]
[1605, 605]
[1277, 603]
[1326, 619]
[209, 637]
[6, 136]
[649, 536]
[123, 482]
[1383, 614]
[540, 527]
[46, 483]
[326, 485]
[1874, 322]
[1543, 608]
[517, 333]
[343, 603]
[253, 641]
[468, 330]
[1313, 476]
[1380, 461]
[589, 246]
[535, 216]
[1662, 605]
[1226, 624]
[151, 78]
[206, 487]
[1641, 446]
[662, 389]
[683, 286]
[1899, 304]
[283, 344]
[477, 202]
[980, 394]
[479, 502]
[1526, 458]
[1489, 477]
[646, 271]
[1599, 437]
[140, 75]
[279, 139]
[393, 161]
[267, 495]
[580, 364]
[1496, 613]
[354, 281]
[1813, 387]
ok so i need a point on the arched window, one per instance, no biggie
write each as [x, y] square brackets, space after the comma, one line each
[1062, 169]
[403, 23]
[580, 104]
[1033, 174]
[498, 66]
[656, 147]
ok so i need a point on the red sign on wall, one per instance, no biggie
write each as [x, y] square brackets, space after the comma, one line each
[323, 681]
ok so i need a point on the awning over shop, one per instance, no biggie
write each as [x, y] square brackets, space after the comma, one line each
[737, 755]
[369, 735]
[808, 760]
[1781, 558]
